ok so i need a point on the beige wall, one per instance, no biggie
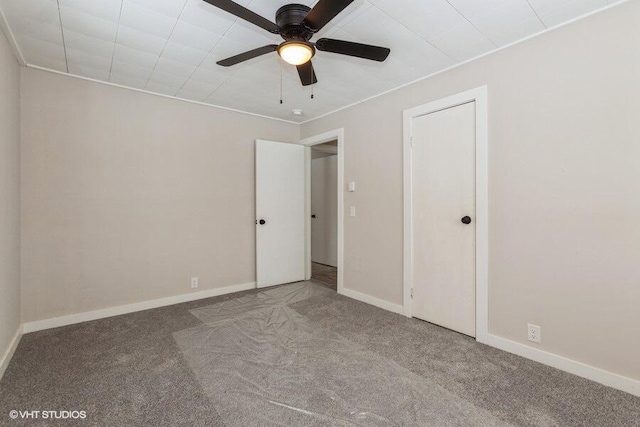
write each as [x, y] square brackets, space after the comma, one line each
[564, 145]
[9, 196]
[126, 195]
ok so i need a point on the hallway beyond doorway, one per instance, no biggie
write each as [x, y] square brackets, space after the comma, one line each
[325, 275]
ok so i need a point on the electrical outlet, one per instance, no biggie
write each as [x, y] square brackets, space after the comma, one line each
[194, 282]
[533, 333]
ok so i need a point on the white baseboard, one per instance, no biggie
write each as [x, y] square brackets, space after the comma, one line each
[6, 357]
[130, 308]
[592, 373]
[583, 370]
[386, 305]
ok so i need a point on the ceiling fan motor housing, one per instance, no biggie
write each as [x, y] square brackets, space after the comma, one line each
[289, 18]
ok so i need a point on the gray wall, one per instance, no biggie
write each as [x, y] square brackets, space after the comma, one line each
[564, 179]
[9, 196]
[126, 195]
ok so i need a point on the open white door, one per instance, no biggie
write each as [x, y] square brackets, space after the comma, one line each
[280, 213]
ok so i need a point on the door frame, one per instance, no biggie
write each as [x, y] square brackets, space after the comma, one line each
[480, 96]
[337, 134]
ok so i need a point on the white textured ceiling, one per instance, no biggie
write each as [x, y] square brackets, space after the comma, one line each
[171, 46]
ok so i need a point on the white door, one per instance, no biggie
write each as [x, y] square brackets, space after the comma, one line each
[324, 210]
[443, 196]
[280, 217]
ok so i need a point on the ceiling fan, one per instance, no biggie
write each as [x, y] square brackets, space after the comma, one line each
[297, 24]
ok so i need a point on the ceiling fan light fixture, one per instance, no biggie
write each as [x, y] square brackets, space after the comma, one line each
[296, 52]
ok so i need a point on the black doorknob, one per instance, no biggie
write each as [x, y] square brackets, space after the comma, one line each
[313, 216]
[262, 222]
[466, 220]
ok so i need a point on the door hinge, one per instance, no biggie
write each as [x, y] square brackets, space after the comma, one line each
[411, 293]
[411, 141]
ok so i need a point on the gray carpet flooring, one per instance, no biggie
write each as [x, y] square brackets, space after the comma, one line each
[297, 355]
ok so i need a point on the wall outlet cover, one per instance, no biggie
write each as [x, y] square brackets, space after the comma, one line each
[194, 282]
[534, 333]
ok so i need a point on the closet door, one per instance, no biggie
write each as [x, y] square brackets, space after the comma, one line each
[443, 195]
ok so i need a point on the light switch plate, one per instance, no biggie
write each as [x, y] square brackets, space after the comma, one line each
[352, 186]
[352, 211]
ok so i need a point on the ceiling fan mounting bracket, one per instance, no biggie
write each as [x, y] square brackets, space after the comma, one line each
[289, 18]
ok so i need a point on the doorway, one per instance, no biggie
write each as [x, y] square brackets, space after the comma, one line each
[446, 227]
[325, 233]
[283, 211]
[324, 213]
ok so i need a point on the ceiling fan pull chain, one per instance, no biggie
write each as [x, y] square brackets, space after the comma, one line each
[280, 61]
[312, 72]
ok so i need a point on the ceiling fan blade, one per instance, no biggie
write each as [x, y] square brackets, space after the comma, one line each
[366, 51]
[245, 56]
[244, 13]
[307, 74]
[323, 12]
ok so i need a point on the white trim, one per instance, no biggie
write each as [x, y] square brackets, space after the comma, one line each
[6, 358]
[337, 134]
[385, 305]
[4, 25]
[87, 316]
[479, 95]
[307, 214]
[10, 36]
[583, 370]
[460, 64]
[190, 101]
